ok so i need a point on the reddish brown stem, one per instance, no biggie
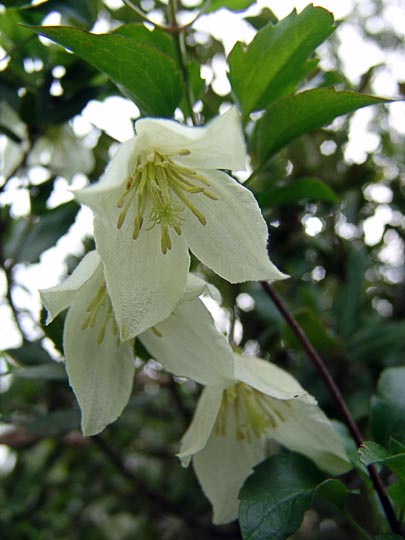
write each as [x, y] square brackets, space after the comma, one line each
[323, 371]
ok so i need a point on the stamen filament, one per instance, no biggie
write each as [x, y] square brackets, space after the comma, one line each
[162, 185]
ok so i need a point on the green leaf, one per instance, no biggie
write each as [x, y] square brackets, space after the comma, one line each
[335, 493]
[371, 452]
[265, 17]
[301, 189]
[276, 496]
[55, 423]
[155, 38]
[30, 354]
[33, 237]
[314, 328]
[388, 407]
[49, 371]
[348, 304]
[232, 5]
[145, 73]
[375, 340]
[276, 60]
[293, 115]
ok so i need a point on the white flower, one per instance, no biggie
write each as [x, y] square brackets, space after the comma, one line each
[162, 194]
[99, 365]
[228, 434]
[246, 402]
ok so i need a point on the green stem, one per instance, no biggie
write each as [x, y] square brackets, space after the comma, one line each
[179, 44]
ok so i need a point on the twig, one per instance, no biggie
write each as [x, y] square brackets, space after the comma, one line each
[171, 29]
[179, 43]
[337, 396]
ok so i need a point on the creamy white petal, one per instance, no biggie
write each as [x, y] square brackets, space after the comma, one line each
[194, 287]
[306, 429]
[222, 467]
[200, 429]
[266, 377]
[217, 145]
[233, 243]
[189, 345]
[115, 175]
[144, 285]
[58, 298]
[101, 375]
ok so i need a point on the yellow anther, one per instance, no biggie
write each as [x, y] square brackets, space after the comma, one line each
[211, 195]
[156, 331]
[254, 413]
[163, 189]
[120, 219]
[100, 309]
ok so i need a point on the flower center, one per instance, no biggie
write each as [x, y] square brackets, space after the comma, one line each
[99, 311]
[164, 189]
[253, 412]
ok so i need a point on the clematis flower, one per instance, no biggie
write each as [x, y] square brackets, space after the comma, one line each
[99, 365]
[161, 195]
[245, 403]
[231, 427]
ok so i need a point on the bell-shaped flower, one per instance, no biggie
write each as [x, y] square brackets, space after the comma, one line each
[99, 365]
[163, 194]
[245, 403]
[230, 429]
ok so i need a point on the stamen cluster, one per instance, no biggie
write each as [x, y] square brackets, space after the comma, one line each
[254, 413]
[100, 308]
[161, 187]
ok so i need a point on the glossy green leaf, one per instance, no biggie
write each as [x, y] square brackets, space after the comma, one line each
[145, 73]
[34, 236]
[371, 452]
[50, 371]
[301, 189]
[155, 38]
[388, 406]
[276, 60]
[265, 17]
[232, 5]
[30, 354]
[276, 496]
[293, 115]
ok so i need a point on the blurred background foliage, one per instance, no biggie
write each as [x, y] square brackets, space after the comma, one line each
[336, 226]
